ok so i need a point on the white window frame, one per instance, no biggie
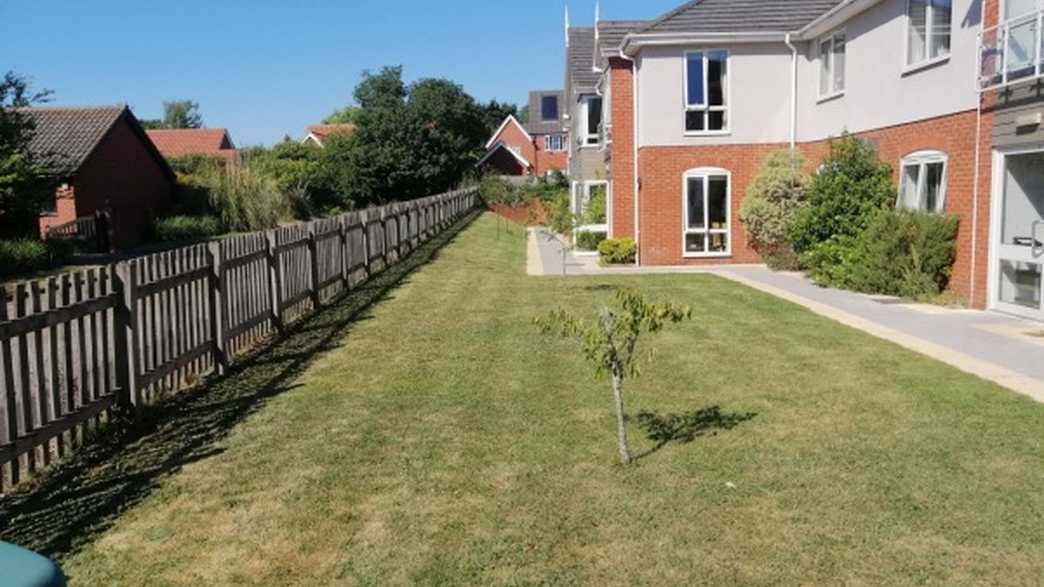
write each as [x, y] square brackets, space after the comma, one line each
[829, 58]
[549, 143]
[928, 61]
[585, 113]
[922, 159]
[706, 173]
[706, 108]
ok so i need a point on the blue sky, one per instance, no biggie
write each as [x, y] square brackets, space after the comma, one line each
[266, 68]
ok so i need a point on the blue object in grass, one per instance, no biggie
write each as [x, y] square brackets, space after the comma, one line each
[23, 568]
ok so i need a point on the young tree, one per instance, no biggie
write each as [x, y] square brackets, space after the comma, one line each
[610, 343]
[181, 114]
[25, 186]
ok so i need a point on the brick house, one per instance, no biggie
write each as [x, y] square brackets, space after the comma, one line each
[687, 105]
[535, 148]
[104, 160]
[183, 142]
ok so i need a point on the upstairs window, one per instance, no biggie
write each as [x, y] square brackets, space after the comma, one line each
[928, 30]
[832, 65]
[549, 108]
[554, 143]
[706, 92]
[592, 121]
[923, 181]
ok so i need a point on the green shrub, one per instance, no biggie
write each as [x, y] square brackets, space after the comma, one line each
[773, 201]
[851, 187]
[832, 262]
[906, 253]
[559, 217]
[617, 251]
[589, 241]
[187, 228]
[245, 200]
[26, 256]
[495, 190]
[597, 209]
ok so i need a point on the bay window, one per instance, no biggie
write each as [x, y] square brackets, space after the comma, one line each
[706, 213]
[923, 181]
[706, 92]
[832, 65]
[928, 30]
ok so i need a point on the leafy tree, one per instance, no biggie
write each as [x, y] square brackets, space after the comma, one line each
[25, 186]
[346, 115]
[495, 112]
[181, 114]
[523, 114]
[774, 199]
[384, 89]
[610, 343]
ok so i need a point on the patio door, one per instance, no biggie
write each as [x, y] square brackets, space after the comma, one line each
[1019, 234]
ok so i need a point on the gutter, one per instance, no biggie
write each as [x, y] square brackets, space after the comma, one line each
[834, 18]
[793, 91]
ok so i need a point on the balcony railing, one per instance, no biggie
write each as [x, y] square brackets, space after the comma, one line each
[1011, 51]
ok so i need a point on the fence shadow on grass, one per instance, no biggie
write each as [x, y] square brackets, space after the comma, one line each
[664, 429]
[66, 507]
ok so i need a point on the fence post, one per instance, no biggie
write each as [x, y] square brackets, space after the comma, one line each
[218, 311]
[313, 257]
[127, 336]
[364, 218]
[342, 227]
[275, 280]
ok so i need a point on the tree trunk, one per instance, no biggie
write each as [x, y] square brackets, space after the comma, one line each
[621, 423]
[617, 372]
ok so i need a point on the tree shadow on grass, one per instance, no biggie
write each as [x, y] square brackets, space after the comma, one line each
[67, 507]
[664, 429]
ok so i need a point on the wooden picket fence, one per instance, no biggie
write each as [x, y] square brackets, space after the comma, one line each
[74, 346]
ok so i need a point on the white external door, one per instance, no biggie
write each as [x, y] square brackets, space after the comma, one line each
[1019, 234]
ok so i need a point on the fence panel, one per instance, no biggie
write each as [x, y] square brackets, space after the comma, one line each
[74, 346]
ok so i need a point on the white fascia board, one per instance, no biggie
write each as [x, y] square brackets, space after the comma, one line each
[634, 42]
[502, 145]
[834, 18]
[509, 120]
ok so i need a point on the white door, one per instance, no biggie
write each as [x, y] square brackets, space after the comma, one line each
[1019, 234]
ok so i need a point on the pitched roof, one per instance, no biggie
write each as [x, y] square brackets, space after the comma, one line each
[582, 75]
[325, 131]
[65, 137]
[735, 16]
[179, 142]
[502, 145]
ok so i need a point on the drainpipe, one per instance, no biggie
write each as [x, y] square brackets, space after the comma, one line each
[793, 90]
[634, 156]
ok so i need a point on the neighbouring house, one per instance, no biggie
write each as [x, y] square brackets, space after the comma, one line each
[535, 148]
[318, 134]
[671, 117]
[183, 142]
[104, 160]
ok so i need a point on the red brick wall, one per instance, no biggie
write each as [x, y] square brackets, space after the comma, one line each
[661, 170]
[622, 149]
[545, 160]
[65, 209]
[514, 137]
[123, 176]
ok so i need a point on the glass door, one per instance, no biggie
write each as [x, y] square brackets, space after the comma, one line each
[1020, 251]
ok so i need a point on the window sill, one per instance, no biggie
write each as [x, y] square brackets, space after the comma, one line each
[706, 255]
[830, 97]
[707, 133]
[922, 65]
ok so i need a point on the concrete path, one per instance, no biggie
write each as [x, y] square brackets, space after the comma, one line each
[1002, 349]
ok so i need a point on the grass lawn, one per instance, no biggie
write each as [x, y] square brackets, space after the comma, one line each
[444, 440]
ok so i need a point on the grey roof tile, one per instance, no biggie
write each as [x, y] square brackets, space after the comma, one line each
[733, 16]
[581, 73]
[536, 126]
[65, 137]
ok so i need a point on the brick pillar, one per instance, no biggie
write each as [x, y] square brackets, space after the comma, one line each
[622, 170]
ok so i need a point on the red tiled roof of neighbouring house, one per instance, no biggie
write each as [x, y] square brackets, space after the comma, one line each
[180, 142]
[321, 132]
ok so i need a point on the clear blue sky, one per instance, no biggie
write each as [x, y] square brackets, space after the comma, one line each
[266, 68]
